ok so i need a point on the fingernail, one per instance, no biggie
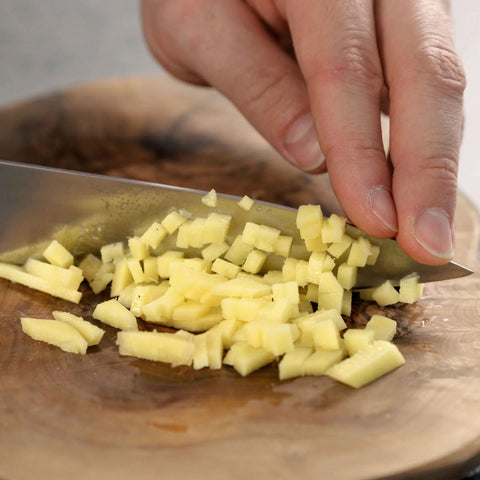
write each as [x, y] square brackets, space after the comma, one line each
[381, 204]
[434, 233]
[302, 144]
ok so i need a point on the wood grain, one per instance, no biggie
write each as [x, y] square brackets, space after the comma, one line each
[111, 417]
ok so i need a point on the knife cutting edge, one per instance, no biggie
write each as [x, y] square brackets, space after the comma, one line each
[85, 211]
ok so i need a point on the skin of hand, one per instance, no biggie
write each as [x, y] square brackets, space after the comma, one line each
[312, 76]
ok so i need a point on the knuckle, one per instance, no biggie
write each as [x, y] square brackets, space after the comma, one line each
[442, 66]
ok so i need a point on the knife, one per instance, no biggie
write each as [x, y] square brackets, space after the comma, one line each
[85, 211]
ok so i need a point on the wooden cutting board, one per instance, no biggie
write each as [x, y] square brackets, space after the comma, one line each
[103, 416]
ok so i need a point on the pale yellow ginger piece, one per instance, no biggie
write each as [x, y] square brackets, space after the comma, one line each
[337, 249]
[161, 310]
[165, 260]
[157, 346]
[240, 335]
[242, 309]
[308, 326]
[319, 262]
[311, 293]
[19, 275]
[246, 359]
[138, 248]
[214, 348]
[309, 221]
[333, 315]
[289, 269]
[346, 308]
[254, 261]
[267, 238]
[238, 251]
[187, 313]
[278, 338]
[126, 295]
[188, 231]
[330, 292]
[280, 310]
[103, 277]
[154, 235]
[326, 335]
[56, 333]
[122, 277]
[150, 269]
[368, 364]
[58, 255]
[333, 228]
[90, 332]
[289, 290]
[112, 252]
[69, 277]
[250, 233]
[245, 203]
[225, 268]
[113, 313]
[200, 355]
[210, 199]
[301, 273]
[242, 287]
[228, 358]
[347, 275]
[283, 245]
[211, 252]
[172, 221]
[145, 294]
[273, 276]
[227, 329]
[216, 228]
[200, 324]
[410, 289]
[90, 265]
[383, 328]
[385, 294]
[374, 253]
[320, 361]
[315, 244]
[292, 363]
[356, 339]
[359, 252]
[136, 270]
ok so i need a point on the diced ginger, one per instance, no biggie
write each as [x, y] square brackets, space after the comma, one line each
[337, 249]
[356, 339]
[246, 359]
[172, 221]
[383, 328]
[90, 332]
[315, 244]
[368, 364]
[210, 199]
[165, 260]
[283, 245]
[55, 332]
[318, 263]
[347, 275]
[157, 346]
[227, 329]
[154, 235]
[161, 309]
[58, 255]
[213, 251]
[112, 252]
[138, 248]
[187, 314]
[113, 313]
[292, 363]
[136, 270]
[225, 268]
[321, 360]
[242, 287]
[238, 251]
[287, 290]
[200, 355]
[90, 265]
[144, 294]
[385, 294]
[309, 221]
[410, 289]
[70, 277]
[374, 253]
[122, 277]
[360, 251]
[254, 261]
[19, 275]
[333, 229]
[326, 335]
[216, 228]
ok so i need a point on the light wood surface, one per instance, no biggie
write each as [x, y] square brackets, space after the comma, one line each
[103, 416]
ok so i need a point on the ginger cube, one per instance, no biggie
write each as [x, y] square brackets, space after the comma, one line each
[383, 328]
[136, 270]
[112, 252]
[90, 265]
[346, 308]
[113, 313]
[347, 275]
[309, 221]
[293, 363]
[161, 309]
[70, 277]
[227, 329]
[238, 251]
[337, 249]
[55, 332]
[187, 313]
[165, 260]
[283, 245]
[172, 221]
[250, 233]
[246, 359]
[90, 332]
[243, 287]
[315, 244]
[410, 290]
[368, 364]
[356, 339]
[287, 290]
[201, 323]
[144, 294]
[301, 273]
[157, 346]
[318, 263]
[330, 292]
[276, 337]
[154, 235]
[289, 269]
[385, 294]
[359, 252]
[122, 277]
[138, 248]
[225, 268]
[326, 335]
[254, 261]
[245, 203]
[333, 229]
[214, 251]
[321, 360]
[273, 276]
[150, 269]
[216, 228]
[374, 253]
[102, 279]
[58, 255]
[200, 355]
[210, 199]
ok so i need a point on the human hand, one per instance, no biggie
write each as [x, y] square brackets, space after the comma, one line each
[312, 75]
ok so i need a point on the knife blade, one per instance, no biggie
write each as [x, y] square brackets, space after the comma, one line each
[85, 211]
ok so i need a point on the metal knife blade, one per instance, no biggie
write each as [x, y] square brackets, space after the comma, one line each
[85, 211]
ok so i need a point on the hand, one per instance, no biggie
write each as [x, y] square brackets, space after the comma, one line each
[312, 75]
